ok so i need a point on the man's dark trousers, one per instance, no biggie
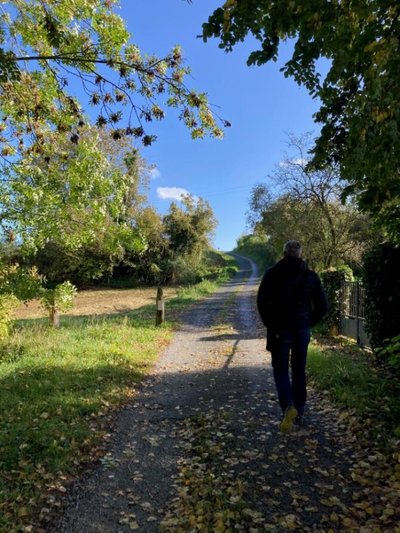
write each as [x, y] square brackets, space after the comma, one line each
[291, 343]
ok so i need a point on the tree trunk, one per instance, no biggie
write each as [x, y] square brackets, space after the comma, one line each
[332, 252]
[54, 318]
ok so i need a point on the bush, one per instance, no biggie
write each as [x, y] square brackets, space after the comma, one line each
[8, 303]
[25, 284]
[61, 298]
[82, 267]
[332, 280]
[258, 249]
[380, 275]
[390, 353]
[16, 284]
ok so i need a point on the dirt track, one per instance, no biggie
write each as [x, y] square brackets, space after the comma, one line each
[200, 450]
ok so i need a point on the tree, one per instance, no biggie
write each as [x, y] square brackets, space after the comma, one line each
[68, 193]
[306, 205]
[149, 265]
[288, 217]
[46, 46]
[360, 95]
[188, 231]
[175, 243]
[80, 250]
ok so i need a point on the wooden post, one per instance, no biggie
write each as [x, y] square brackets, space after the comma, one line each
[54, 318]
[160, 312]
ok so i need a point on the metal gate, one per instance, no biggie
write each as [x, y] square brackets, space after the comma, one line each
[352, 312]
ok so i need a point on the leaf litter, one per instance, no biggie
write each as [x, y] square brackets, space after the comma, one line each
[236, 472]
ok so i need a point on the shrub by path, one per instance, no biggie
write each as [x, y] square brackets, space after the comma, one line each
[199, 449]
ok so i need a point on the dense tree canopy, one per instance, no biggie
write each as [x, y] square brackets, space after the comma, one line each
[69, 193]
[326, 243]
[190, 227]
[61, 177]
[305, 205]
[46, 47]
[360, 95]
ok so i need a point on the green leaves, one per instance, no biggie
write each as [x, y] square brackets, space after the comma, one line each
[66, 192]
[60, 298]
[309, 209]
[8, 303]
[382, 292]
[47, 45]
[59, 184]
[22, 283]
[360, 95]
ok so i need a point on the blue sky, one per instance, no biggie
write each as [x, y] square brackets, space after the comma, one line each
[261, 104]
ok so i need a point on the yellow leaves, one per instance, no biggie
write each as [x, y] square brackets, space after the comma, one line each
[325, 473]
[330, 502]
[290, 522]
[220, 526]
[229, 4]
[380, 116]
[129, 520]
[210, 498]
[371, 46]
[254, 515]
[365, 506]
[348, 522]
[228, 7]
[388, 512]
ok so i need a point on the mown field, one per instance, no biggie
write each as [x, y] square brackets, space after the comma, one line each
[101, 302]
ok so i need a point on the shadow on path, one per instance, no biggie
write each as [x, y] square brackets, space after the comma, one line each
[201, 438]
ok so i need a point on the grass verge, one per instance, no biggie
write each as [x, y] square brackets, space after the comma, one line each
[369, 421]
[257, 249]
[354, 383]
[59, 391]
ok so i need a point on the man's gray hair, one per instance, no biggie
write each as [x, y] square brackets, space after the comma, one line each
[292, 249]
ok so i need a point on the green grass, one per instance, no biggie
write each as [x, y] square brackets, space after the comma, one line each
[354, 383]
[220, 266]
[59, 388]
[257, 250]
[55, 386]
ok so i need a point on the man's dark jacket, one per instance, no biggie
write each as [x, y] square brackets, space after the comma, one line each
[291, 295]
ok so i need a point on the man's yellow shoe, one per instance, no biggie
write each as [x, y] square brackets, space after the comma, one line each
[288, 419]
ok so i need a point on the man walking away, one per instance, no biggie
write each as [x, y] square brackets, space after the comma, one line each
[290, 301]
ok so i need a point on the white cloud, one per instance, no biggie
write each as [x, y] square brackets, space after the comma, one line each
[154, 172]
[298, 161]
[171, 193]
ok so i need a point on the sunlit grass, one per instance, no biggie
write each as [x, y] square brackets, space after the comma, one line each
[355, 383]
[59, 386]
[55, 386]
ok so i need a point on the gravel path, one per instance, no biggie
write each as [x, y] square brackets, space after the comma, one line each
[200, 450]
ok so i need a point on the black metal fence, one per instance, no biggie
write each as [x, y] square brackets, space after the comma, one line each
[352, 312]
